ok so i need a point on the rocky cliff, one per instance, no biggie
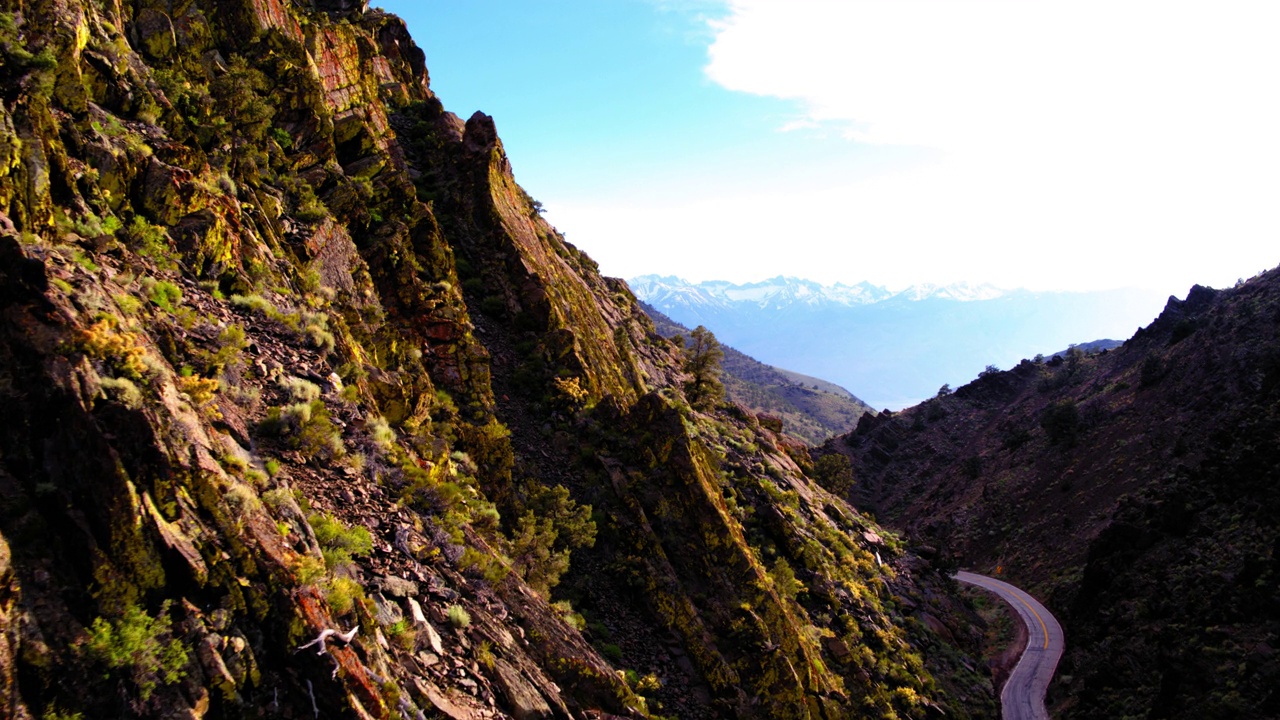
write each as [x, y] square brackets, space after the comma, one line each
[1133, 488]
[310, 414]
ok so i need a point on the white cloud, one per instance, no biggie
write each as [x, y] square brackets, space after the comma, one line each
[1083, 143]
[1007, 74]
[1079, 145]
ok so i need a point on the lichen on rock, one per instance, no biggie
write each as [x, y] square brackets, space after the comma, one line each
[286, 349]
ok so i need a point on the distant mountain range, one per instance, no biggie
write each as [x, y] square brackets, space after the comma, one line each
[810, 408]
[891, 348]
[784, 292]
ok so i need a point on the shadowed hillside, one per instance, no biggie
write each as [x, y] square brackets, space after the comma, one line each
[1135, 488]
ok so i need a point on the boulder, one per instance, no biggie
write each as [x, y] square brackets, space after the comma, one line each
[523, 699]
[397, 587]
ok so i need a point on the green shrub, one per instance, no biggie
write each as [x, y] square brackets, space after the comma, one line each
[307, 427]
[458, 616]
[307, 569]
[164, 295]
[92, 226]
[241, 500]
[552, 525]
[484, 654]
[254, 303]
[14, 49]
[381, 433]
[784, 579]
[534, 554]
[79, 258]
[319, 437]
[834, 472]
[309, 209]
[230, 344]
[315, 326]
[1183, 330]
[342, 594]
[339, 544]
[401, 633]
[286, 419]
[54, 713]
[201, 392]
[120, 350]
[140, 646]
[312, 211]
[483, 565]
[489, 445]
[299, 390]
[121, 390]
[486, 519]
[647, 684]
[128, 304]
[149, 241]
[282, 138]
[565, 609]
[256, 478]
[276, 499]
[1061, 422]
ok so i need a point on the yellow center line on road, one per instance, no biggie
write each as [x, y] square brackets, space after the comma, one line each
[1014, 592]
[1033, 612]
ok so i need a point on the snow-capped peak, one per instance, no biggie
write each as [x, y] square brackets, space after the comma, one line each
[781, 292]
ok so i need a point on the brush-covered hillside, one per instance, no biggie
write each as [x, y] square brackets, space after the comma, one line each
[809, 408]
[1136, 489]
[308, 413]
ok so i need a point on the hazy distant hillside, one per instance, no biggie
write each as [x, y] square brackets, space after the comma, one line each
[811, 408]
[894, 349]
[1093, 346]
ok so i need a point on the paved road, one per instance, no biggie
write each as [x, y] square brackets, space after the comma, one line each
[1023, 695]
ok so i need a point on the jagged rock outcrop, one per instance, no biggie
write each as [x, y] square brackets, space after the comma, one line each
[307, 407]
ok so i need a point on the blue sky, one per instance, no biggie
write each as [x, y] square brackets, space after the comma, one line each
[1048, 145]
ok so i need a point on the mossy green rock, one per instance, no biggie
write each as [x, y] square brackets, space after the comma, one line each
[258, 291]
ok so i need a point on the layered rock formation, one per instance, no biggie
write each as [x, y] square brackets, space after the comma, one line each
[309, 412]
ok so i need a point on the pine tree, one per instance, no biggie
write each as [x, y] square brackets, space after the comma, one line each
[703, 356]
[246, 114]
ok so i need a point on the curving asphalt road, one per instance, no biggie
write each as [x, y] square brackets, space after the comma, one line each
[1022, 697]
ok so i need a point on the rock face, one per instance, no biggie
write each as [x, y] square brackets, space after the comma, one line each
[309, 413]
[1134, 489]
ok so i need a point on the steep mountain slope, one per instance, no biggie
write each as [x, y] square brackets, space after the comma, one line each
[894, 349]
[309, 412]
[810, 408]
[1134, 488]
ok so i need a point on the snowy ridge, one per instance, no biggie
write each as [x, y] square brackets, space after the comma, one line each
[783, 292]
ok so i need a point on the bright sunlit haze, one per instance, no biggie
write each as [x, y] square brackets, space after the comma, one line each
[1046, 145]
